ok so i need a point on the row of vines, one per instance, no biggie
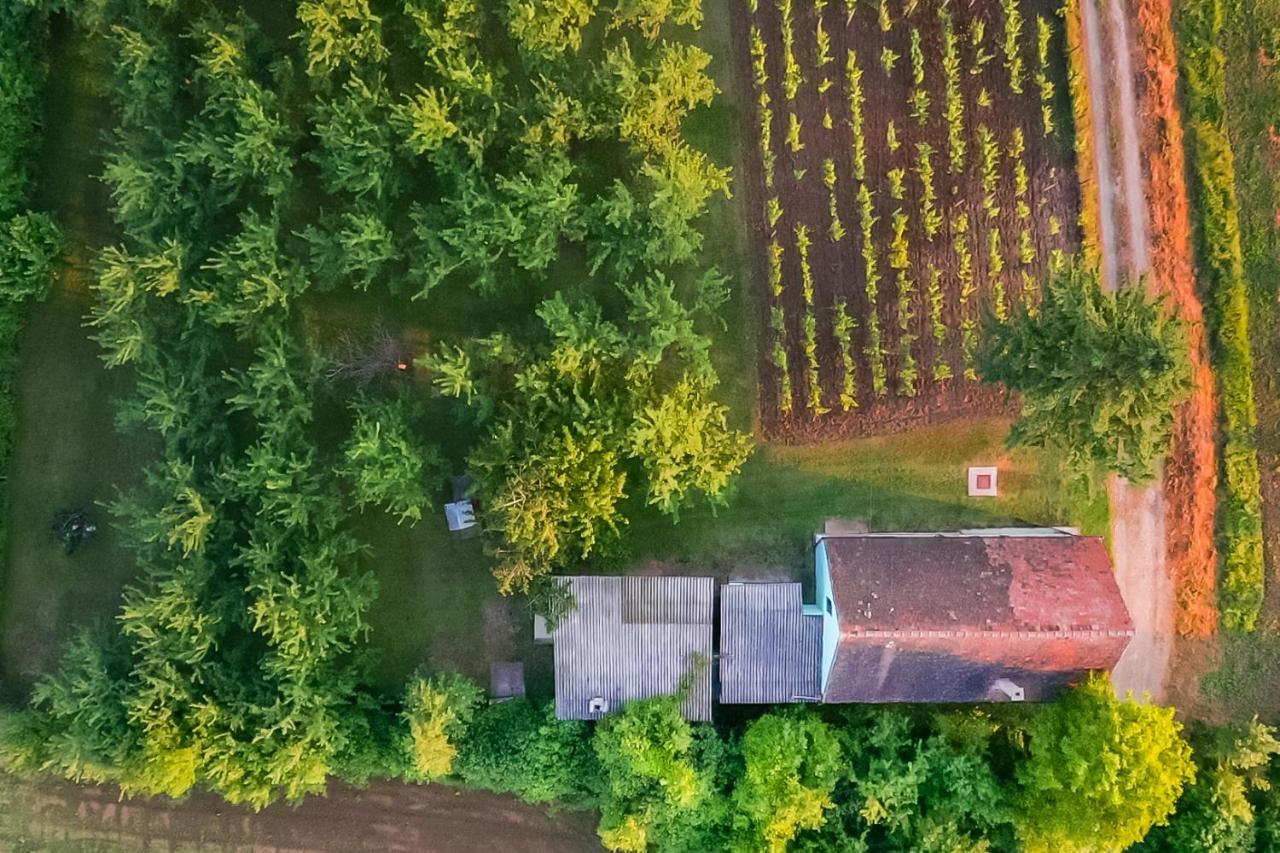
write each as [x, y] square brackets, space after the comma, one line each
[912, 175]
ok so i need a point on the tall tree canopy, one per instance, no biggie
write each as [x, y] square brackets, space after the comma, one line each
[1100, 772]
[565, 414]
[1099, 373]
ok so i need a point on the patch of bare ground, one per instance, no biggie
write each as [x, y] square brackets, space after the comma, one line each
[387, 817]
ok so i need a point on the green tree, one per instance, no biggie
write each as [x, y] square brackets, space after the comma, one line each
[424, 119]
[653, 98]
[922, 783]
[548, 28]
[385, 463]
[564, 415]
[1099, 772]
[792, 763]
[649, 776]
[518, 747]
[356, 143]
[31, 249]
[1100, 374]
[685, 445]
[492, 224]
[438, 710]
[650, 15]
[356, 248]
[340, 34]
[1215, 812]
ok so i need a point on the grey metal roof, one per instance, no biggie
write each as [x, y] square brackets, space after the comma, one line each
[770, 651]
[667, 601]
[633, 638]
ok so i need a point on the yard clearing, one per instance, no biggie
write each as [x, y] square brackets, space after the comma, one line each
[905, 172]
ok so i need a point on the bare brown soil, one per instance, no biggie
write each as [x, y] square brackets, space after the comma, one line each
[838, 267]
[1191, 472]
[386, 817]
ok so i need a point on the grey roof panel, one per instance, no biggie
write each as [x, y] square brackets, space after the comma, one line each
[599, 654]
[667, 601]
[770, 650]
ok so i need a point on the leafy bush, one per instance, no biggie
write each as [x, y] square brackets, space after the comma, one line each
[438, 710]
[31, 248]
[518, 747]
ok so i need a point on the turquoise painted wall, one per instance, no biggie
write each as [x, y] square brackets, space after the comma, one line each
[830, 616]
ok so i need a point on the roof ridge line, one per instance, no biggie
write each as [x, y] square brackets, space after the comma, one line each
[954, 633]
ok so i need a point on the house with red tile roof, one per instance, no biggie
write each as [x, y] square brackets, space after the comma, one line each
[970, 616]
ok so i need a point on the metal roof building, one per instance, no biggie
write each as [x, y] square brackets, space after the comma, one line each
[770, 648]
[973, 616]
[633, 638]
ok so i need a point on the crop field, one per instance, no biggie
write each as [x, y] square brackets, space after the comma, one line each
[910, 168]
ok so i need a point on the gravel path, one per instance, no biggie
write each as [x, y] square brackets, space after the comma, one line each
[1137, 513]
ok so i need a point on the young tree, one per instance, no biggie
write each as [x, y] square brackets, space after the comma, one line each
[438, 710]
[1099, 772]
[31, 249]
[356, 145]
[384, 461]
[1100, 373]
[547, 29]
[686, 447]
[340, 34]
[424, 119]
[792, 763]
[356, 248]
[650, 15]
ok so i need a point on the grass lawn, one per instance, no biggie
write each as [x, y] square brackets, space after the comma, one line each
[66, 449]
[913, 481]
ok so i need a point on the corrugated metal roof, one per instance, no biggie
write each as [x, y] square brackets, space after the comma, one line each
[667, 601]
[770, 651]
[601, 654]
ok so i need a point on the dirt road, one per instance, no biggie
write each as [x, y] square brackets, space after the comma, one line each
[386, 817]
[1137, 513]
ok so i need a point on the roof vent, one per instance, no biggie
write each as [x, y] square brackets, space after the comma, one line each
[1003, 687]
[598, 705]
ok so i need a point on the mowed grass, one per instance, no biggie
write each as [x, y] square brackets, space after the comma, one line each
[67, 452]
[913, 481]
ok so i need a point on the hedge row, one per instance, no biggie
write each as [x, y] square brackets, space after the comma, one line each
[1204, 72]
[1082, 130]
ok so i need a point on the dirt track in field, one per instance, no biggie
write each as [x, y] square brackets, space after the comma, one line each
[1162, 533]
[387, 817]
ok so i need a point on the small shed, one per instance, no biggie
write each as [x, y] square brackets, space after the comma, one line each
[506, 680]
[634, 638]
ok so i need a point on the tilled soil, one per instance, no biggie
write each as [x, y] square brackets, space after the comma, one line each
[386, 817]
[838, 267]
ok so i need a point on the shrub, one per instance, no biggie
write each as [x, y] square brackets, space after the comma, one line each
[438, 710]
[520, 748]
[31, 249]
